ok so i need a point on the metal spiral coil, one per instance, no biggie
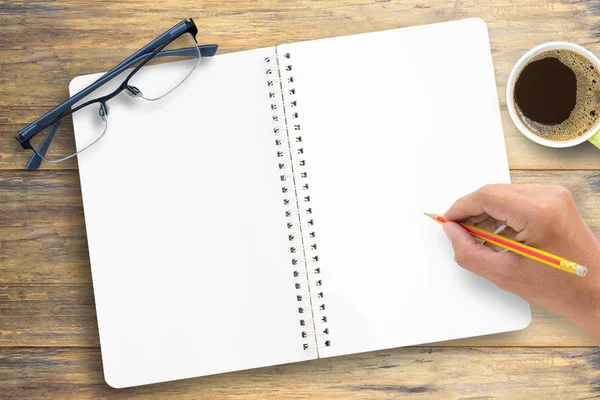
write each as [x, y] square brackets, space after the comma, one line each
[295, 188]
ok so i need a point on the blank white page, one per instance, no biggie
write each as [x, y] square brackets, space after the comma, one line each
[186, 229]
[394, 124]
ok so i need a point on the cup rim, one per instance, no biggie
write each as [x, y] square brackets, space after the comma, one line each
[510, 104]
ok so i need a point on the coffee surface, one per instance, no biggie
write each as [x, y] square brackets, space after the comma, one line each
[557, 95]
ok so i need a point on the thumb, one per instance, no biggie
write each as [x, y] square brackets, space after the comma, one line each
[500, 268]
[458, 236]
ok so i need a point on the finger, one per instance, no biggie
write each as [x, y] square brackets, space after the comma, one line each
[531, 191]
[505, 231]
[498, 201]
[509, 233]
[490, 224]
[494, 226]
[476, 219]
[501, 268]
[497, 227]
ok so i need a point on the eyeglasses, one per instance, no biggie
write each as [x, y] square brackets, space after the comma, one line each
[137, 76]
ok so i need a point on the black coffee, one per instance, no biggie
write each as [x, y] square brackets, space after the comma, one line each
[557, 95]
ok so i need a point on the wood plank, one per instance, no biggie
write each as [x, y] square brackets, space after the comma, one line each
[64, 316]
[69, 41]
[522, 153]
[42, 230]
[48, 315]
[415, 373]
[45, 293]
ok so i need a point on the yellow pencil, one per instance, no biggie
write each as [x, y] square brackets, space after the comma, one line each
[519, 248]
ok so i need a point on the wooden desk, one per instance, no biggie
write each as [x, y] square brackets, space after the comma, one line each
[48, 335]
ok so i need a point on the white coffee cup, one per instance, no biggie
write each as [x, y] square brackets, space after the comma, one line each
[593, 134]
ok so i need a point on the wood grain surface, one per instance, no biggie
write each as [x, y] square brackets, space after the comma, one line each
[48, 333]
[414, 372]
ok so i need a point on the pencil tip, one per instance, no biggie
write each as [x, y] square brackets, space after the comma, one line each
[432, 216]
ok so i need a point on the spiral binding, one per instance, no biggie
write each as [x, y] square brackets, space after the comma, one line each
[295, 189]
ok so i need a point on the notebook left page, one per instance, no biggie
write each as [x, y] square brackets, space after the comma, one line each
[186, 228]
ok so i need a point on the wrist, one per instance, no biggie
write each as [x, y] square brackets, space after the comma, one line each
[589, 298]
[591, 326]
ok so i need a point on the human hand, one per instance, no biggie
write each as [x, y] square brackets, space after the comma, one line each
[544, 217]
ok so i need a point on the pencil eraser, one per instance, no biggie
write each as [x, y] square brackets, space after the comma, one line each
[581, 270]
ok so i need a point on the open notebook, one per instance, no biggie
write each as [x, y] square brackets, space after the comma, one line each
[239, 229]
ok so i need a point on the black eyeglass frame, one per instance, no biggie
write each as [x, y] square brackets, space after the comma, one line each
[148, 52]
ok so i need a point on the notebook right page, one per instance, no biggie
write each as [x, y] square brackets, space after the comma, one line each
[394, 124]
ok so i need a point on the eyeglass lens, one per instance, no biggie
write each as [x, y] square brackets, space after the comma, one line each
[158, 77]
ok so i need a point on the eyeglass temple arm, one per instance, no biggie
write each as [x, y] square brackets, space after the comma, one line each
[207, 50]
[161, 41]
[35, 160]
